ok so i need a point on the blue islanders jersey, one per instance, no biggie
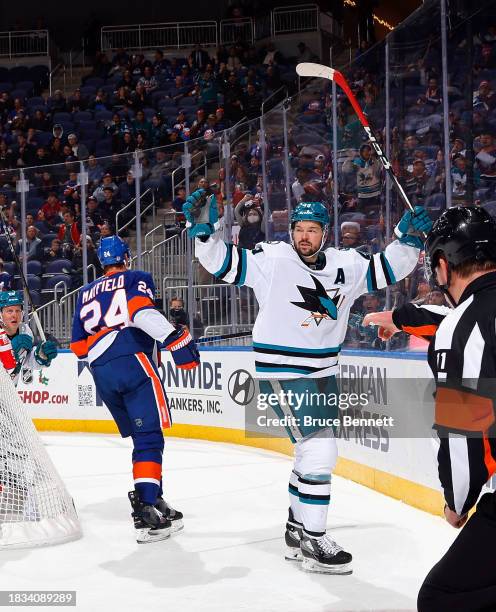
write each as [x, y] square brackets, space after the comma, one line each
[115, 316]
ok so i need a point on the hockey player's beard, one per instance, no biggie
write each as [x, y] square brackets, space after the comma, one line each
[306, 250]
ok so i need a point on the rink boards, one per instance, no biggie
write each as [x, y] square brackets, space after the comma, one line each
[63, 398]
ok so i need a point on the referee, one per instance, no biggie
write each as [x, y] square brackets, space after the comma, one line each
[461, 256]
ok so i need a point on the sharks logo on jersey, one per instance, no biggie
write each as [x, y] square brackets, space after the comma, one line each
[319, 303]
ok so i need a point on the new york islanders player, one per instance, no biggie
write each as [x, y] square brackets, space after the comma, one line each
[28, 355]
[117, 328]
[305, 293]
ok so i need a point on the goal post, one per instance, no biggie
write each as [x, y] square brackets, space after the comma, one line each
[35, 507]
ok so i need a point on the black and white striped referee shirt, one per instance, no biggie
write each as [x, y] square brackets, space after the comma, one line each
[462, 357]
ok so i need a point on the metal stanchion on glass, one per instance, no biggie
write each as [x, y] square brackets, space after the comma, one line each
[186, 164]
[22, 187]
[138, 173]
[83, 182]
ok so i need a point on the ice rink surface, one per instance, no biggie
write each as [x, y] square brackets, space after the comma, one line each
[230, 554]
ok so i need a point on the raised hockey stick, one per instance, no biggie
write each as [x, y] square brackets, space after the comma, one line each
[18, 263]
[308, 69]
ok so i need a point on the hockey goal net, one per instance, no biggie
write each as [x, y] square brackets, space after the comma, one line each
[35, 507]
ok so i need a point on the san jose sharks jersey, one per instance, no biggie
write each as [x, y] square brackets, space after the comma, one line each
[303, 314]
[26, 361]
[115, 315]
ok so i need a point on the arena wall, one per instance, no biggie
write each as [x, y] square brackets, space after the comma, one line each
[63, 398]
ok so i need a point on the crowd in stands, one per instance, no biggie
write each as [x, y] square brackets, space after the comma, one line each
[130, 106]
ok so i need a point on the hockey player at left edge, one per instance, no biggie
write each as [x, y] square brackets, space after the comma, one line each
[120, 332]
[28, 355]
[305, 291]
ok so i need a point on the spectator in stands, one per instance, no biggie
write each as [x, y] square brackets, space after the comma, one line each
[209, 91]
[459, 180]
[94, 217]
[407, 154]
[271, 55]
[95, 172]
[127, 189]
[252, 102]
[69, 232]
[32, 244]
[484, 97]
[159, 63]
[249, 217]
[486, 162]
[109, 205]
[368, 174]
[50, 211]
[77, 260]
[350, 235]
[158, 131]
[304, 53]
[107, 182]
[233, 94]
[23, 152]
[53, 252]
[39, 121]
[199, 58]
[57, 103]
[179, 200]
[419, 184]
[432, 95]
[160, 175]
[199, 124]
[423, 290]
[80, 151]
[141, 125]
[57, 151]
[139, 98]
[76, 102]
[99, 102]
[148, 80]
[435, 298]
[5, 278]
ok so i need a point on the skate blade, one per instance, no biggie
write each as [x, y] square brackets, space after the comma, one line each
[177, 526]
[293, 554]
[147, 536]
[310, 565]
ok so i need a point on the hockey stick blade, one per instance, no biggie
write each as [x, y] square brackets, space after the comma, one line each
[311, 70]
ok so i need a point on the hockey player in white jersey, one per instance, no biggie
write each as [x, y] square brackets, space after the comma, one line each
[305, 293]
[28, 356]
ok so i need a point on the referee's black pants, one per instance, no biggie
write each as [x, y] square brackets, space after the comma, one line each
[464, 580]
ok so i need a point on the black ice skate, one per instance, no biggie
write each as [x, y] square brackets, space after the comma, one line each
[174, 516]
[322, 555]
[293, 539]
[150, 524]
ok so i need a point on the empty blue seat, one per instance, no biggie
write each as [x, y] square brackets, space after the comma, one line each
[88, 90]
[44, 138]
[60, 117]
[59, 266]
[34, 267]
[34, 282]
[28, 86]
[18, 93]
[49, 283]
[80, 116]
[10, 267]
[103, 115]
[94, 82]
